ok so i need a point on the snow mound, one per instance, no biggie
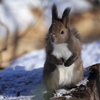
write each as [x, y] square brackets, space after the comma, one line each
[23, 77]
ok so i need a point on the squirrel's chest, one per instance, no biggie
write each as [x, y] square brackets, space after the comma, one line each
[61, 51]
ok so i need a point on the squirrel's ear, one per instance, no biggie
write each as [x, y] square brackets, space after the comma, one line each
[65, 16]
[54, 13]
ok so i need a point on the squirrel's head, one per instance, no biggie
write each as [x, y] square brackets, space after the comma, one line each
[58, 31]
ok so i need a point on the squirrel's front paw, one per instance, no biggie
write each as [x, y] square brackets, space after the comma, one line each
[59, 62]
[67, 63]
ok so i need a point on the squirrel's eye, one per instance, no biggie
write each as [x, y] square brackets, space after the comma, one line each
[62, 32]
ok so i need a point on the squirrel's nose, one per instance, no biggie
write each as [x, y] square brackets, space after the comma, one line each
[52, 38]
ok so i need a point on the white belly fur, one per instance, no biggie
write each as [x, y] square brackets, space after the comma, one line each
[65, 73]
[61, 51]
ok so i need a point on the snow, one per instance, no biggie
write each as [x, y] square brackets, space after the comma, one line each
[23, 77]
[91, 53]
[60, 92]
[83, 82]
[30, 60]
[67, 97]
[18, 98]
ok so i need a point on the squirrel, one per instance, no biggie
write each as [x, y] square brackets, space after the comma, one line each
[63, 66]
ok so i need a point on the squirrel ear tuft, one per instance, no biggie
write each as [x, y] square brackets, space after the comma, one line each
[54, 13]
[65, 16]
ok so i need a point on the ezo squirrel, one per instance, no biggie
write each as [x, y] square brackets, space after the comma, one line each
[63, 66]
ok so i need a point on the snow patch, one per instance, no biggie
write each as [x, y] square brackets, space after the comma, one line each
[68, 96]
[60, 92]
[83, 82]
[91, 53]
[17, 98]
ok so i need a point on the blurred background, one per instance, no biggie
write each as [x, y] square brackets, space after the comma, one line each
[24, 24]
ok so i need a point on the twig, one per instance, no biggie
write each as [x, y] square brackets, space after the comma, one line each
[6, 39]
